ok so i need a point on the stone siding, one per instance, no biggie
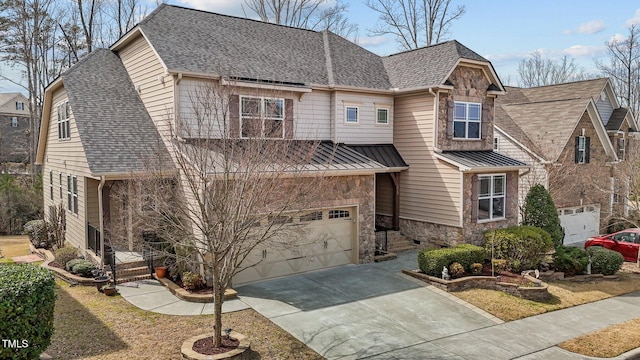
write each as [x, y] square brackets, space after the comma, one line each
[14, 141]
[470, 84]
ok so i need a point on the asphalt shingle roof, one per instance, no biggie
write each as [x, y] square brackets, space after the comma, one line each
[543, 118]
[482, 159]
[426, 66]
[207, 43]
[117, 133]
[616, 119]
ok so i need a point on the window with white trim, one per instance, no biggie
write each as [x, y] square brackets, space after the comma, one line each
[72, 194]
[581, 150]
[19, 105]
[14, 122]
[262, 117]
[64, 127]
[466, 120]
[351, 114]
[60, 185]
[491, 196]
[51, 184]
[382, 116]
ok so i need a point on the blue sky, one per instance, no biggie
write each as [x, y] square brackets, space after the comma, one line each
[503, 31]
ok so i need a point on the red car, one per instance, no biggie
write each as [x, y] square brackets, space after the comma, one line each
[626, 242]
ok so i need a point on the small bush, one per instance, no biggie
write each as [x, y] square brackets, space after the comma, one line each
[27, 300]
[38, 233]
[499, 265]
[523, 247]
[604, 261]
[432, 262]
[476, 268]
[65, 254]
[191, 281]
[456, 270]
[83, 268]
[71, 263]
[570, 260]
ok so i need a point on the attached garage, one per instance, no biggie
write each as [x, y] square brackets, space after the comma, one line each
[579, 223]
[323, 238]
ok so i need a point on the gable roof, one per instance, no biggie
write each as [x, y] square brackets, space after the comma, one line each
[543, 118]
[427, 66]
[117, 133]
[618, 116]
[6, 97]
[199, 42]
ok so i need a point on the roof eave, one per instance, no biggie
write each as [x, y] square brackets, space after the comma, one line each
[421, 88]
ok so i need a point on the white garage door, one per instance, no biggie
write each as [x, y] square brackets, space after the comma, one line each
[579, 223]
[326, 239]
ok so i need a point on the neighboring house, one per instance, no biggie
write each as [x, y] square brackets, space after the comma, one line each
[413, 131]
[14, 128]
[576, 139]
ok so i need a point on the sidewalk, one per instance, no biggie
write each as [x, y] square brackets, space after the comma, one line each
[152, 296]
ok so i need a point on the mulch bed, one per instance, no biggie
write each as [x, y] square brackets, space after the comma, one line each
[205, 346]
[55, 264]
[201, 291]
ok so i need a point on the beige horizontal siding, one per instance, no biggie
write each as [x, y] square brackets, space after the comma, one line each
[430, 190]
[313, 116]
[366, 131]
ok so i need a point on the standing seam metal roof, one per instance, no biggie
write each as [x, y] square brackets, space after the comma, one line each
[480, 159]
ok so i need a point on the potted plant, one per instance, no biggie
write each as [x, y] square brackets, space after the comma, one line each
[109, 290]
[101, 281]
[160, 271]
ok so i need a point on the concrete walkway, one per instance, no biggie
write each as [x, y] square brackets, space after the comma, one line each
[152, 296]
[374, 312]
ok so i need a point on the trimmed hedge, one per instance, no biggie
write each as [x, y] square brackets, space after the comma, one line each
[604, 261]
[27, 300]
[65, 254]
[432, 261]
[570, 260]
[71, 263]
[523, 247]
[83, 268]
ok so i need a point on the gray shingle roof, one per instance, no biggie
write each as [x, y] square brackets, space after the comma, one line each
[208, 43]
[476, 160]
[116, 132]
[426, 66]
[385, 154]
[616, 119]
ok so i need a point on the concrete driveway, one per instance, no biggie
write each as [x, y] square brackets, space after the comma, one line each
[353, 312]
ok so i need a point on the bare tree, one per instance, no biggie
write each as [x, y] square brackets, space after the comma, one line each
[624, 68]
[415, 23]
[229, 195]
[308, 14]
[536, 71]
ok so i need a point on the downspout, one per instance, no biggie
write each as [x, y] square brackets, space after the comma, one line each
[435, 117]
[101, 217]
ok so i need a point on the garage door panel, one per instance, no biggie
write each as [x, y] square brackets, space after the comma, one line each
[579, 223]
[319, 243]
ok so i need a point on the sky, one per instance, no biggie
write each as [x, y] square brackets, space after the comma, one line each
[503, 31]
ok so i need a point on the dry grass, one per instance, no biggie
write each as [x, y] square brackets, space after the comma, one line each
[608, 342]
[90, 325]
[11, 246]
[564, 294]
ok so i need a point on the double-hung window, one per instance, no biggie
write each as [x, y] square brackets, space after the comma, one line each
[582, 150]
[14, 122]
[382, 116]
[491, 197]
[262, 117]
[51, 184]
[72, 194]
[19, 105]
[466, 120]
[64, 127]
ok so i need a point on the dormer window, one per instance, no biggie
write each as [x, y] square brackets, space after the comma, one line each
[466, 120]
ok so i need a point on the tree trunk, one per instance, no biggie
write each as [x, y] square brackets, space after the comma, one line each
[218, 298]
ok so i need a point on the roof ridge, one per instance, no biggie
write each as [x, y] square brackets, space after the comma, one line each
[327, 57]
[545, 101]
[233, 17]
[560, 84]
[420, 48]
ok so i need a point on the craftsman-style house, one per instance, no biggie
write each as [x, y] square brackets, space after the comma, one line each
[414, 131]
[579, 143]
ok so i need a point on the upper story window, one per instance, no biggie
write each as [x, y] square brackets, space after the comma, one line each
[496, 143]
[64, 127]
[621, 148]
[466, 120]
[382, 116]
[351, 114]
[51, 184]
[19, 105]
[491, 197]
[262, 117]
[14, 122]
[72, 194]
[582, 149]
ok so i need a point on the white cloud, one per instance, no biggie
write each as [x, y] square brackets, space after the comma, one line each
[577, 51]
[590, 27]
[227, 7]
[635, 20]
[617, 38]
[372, 40]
